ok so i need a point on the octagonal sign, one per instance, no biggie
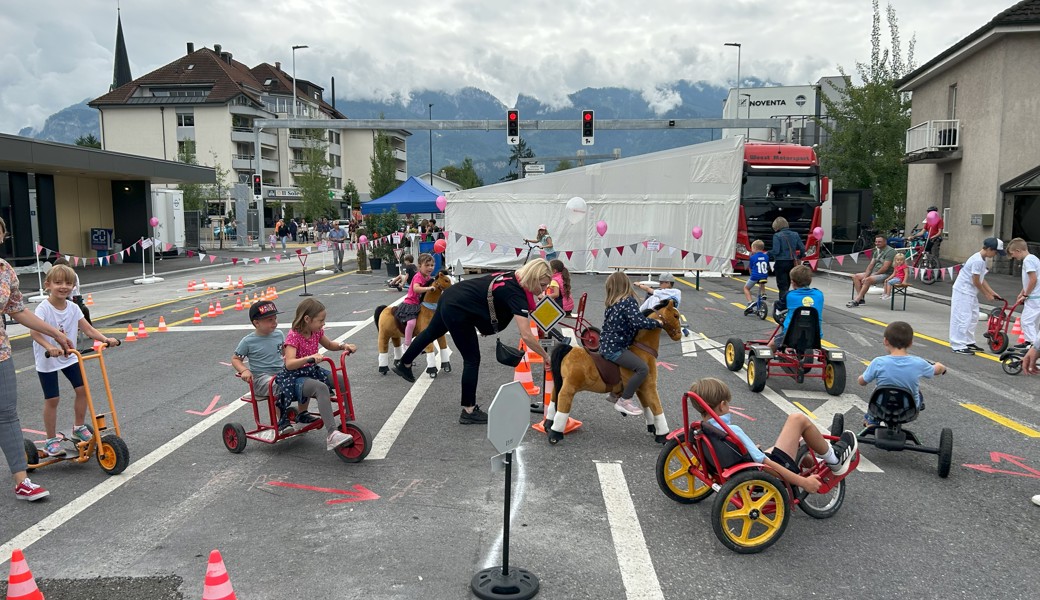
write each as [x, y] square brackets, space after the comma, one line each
[509, 417]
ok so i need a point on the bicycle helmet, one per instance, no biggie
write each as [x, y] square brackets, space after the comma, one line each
[932, 209]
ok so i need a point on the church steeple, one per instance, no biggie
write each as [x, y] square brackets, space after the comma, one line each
[121, 72]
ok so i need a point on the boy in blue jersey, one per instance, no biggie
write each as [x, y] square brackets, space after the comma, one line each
[899, 368]
[758, 268]
[838, 455]
[800, 295]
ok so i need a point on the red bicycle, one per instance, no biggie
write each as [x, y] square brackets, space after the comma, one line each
[997, 326]
[586, 332]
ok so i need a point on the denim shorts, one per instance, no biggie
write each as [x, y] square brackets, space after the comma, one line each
[753, 282]
[895, 281]
[49, 381]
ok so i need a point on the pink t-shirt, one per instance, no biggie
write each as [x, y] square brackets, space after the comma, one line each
[900, 272]
[566, 301]
[305, 346]
[418, 280]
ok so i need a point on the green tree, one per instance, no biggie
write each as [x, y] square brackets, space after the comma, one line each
[563, 165]
[88, 141]
[867, 126]
[383, 177]
[194, 195]
[314, 180]
[464, 175]
[351, 195]
[519, 151]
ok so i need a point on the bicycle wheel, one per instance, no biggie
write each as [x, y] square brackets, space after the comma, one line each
[931, 267]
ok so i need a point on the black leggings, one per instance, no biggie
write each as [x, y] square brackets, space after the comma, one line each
[465, 337]
[782, 270]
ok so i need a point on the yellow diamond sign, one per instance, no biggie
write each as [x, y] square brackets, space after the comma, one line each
[547, 314]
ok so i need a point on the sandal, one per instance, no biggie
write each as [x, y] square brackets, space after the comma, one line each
[852, 304]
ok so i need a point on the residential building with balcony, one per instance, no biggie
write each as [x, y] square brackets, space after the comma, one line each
[207, 101]
[971, 149]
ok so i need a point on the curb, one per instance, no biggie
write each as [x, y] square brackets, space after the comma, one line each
[915, 292]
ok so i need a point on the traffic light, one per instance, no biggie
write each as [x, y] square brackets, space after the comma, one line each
[258, 183]
[512, 127]
[588, 127]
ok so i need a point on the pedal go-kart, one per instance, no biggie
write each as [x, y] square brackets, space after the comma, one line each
[235, 435]
[106, 444]
[799, 356]
[752, 503]
[894, 407]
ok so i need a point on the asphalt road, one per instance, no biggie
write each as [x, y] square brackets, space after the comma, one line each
[589, 519]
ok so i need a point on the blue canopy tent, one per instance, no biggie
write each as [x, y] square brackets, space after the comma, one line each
[412, 196]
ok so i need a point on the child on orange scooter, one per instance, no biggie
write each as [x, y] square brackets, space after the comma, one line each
[780, 458]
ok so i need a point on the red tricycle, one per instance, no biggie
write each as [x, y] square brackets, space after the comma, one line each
[586, 332]
[799, 355]
[752, 503]
[235, 435]
[997, 326]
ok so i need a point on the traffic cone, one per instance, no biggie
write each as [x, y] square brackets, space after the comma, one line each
[228, 283]
[238, 304]
[20, 582]
[162, 325]
[256, 298]
[274, 293]
[572, 424]
[142, 332]
[130, 335]
[212, 312]
[1016, 329]
[197, 318]
[97, 345]
[191, 285]
[533, 357]
[90, 300]
[217, 585]
[522, 373]
[220, 310]
[205, 286]
[241, 284]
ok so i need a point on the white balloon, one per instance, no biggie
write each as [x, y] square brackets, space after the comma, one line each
[576, 209]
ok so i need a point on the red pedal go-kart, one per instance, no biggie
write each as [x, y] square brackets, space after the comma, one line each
[799, 356]
[235, 435]
[752, 503]
[997, 326]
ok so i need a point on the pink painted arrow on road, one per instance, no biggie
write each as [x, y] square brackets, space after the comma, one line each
[1018, 461]
[358, 493]
[209, 409]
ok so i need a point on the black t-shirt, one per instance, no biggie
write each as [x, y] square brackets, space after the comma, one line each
[467, 301]
[410, 271]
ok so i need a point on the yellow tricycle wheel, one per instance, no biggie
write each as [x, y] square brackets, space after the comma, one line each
[750, 512]
[673, 473]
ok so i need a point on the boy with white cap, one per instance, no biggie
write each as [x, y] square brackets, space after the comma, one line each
[666, 291]
[964, 305]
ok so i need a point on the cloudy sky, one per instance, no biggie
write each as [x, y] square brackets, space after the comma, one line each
[58, 52]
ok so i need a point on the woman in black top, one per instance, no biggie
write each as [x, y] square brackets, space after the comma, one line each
[463, 310]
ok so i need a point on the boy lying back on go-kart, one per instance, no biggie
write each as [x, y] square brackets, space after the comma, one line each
[779, 458]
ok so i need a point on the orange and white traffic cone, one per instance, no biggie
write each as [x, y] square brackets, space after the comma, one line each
[533, 357]
[274, 293]
[162, 325]
[256, 298]
[90, 300]
[1016, 329]
[220, 310]
[142, 332]
[191, 285]
[238, 304]
[197, 318]
[522, 373]
[241, 284]
[572, 424]
[217, 585]
[130, 335]
[212, 312]
[205, 286]
[20, 582]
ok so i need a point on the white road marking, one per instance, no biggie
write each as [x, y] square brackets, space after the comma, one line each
[494, 555]
[862, 340]
[247, 326]
[393, 426]
[689, 346]
[56, 519]
[637, 570]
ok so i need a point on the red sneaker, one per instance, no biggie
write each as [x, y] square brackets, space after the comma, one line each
[27, 490]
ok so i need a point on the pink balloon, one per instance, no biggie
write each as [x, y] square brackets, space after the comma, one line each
[818, 233]
[697, 233]
[442, 202]
[932, 218]
[363, 239]
[154, 221]
[601, 228]
[440, 246]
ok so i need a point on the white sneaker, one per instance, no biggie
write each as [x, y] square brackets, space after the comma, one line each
[628, 406]
[1036, 499]
[885, 296]
[337, 439]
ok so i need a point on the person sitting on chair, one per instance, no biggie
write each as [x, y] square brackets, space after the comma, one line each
[800, 295]
[899, 369]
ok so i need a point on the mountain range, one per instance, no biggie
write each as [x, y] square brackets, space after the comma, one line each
[488, 149]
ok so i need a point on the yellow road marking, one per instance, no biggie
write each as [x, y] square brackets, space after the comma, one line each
[681, 280]
[738, 305]
[933, 340]
[827, 344]
[719, 296]
[804, 410]
[1006, 422]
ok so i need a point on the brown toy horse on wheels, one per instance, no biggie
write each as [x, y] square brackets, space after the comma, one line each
[577, 370]
[389, 329]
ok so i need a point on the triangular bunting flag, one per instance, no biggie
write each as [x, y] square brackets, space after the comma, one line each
[492, 246]
[951, 272]
[75, 261]
[683, 253]
[606, 251]
[595, 252]
[840, 258]
[39, 248]
[868, 253]
[234, 261]
[541, 253]
[201, 256]
[278, 258]
[671, 250]
[190, 253]
[855, 257]
[812, 264]
[696, 257]
[458, 236]
[709, 258]
[772, 265]
[568, 253]
[256, 261]
[634, 246]
[480, 244]
[212, 258]
[517, 250]
[168, 247]
[645, 243]
[620, 250]
[469, 240]
[826, 263]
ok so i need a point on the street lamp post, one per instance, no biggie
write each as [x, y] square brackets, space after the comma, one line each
[431, 146]
[737, 95]
[294, 49]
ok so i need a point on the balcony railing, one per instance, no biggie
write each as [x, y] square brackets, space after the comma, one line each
[934, 136]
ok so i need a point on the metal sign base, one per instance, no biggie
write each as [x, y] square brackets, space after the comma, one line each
[492, 584]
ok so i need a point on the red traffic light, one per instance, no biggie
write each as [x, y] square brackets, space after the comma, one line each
[513, 115]
[587, 115]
